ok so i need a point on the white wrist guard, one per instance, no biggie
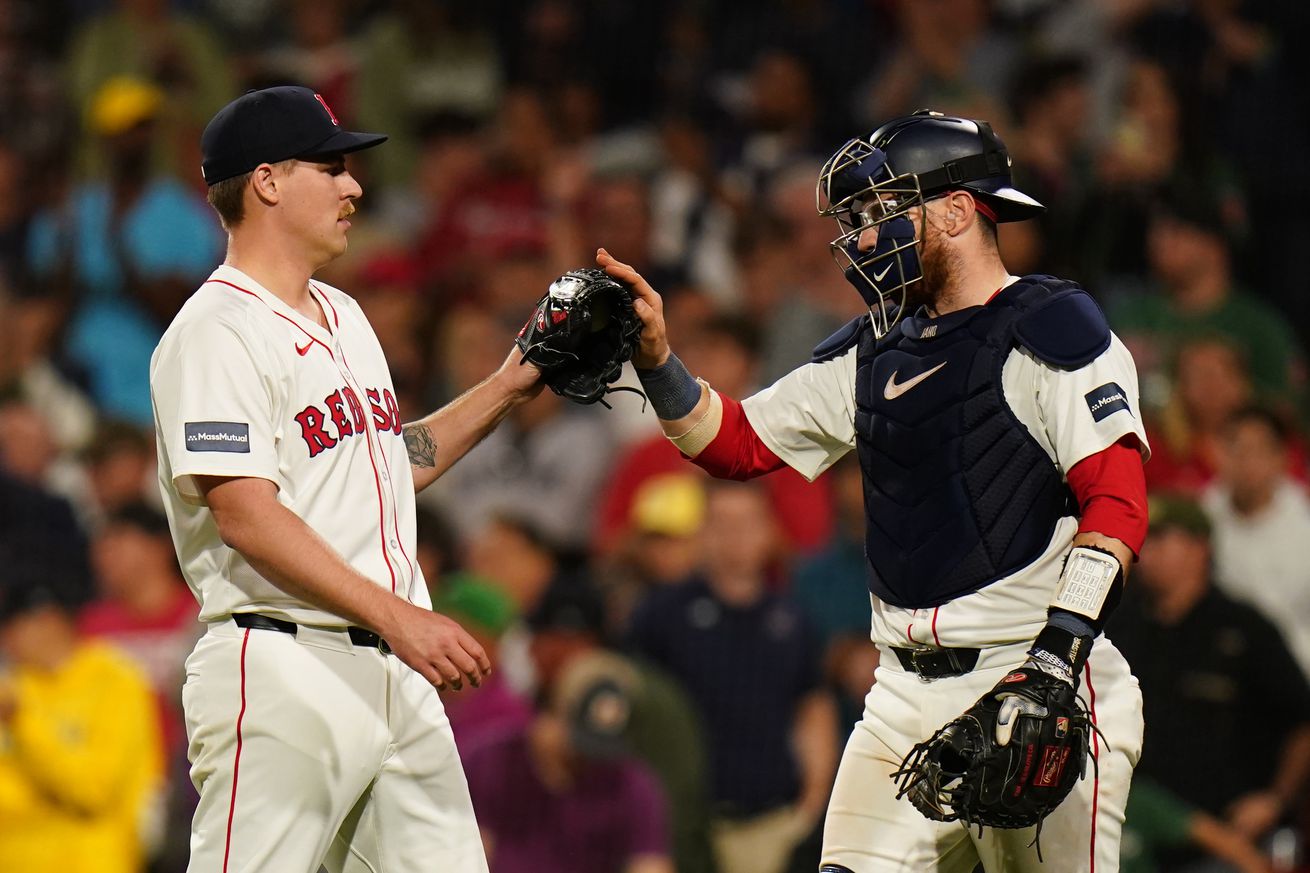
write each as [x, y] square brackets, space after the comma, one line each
[1090, 584]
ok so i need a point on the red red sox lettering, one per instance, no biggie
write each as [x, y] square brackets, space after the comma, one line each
[342, 415]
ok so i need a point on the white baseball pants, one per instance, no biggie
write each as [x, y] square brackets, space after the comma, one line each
[869, 831]
[308, 750]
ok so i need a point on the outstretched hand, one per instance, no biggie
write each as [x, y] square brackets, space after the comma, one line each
[649, 306]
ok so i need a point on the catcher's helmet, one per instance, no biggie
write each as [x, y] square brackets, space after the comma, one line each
[874, 182]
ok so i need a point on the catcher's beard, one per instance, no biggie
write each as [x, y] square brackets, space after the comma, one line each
[942, 268]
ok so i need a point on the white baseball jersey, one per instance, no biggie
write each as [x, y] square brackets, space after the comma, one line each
[306, 749]
[807, 418]
[243, 385]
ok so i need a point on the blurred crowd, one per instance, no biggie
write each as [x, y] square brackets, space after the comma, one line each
[679, 660]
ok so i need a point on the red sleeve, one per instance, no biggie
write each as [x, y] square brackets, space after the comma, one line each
[1111, 490]
[737, 452]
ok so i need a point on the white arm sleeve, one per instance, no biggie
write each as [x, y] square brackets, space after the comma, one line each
[807, 418]
[214, 410]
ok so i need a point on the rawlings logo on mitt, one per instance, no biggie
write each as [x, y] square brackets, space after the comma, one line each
[580, 334]
[1008, 761]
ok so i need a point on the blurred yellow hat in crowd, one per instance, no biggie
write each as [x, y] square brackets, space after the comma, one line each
[672, 505]
[122, 103]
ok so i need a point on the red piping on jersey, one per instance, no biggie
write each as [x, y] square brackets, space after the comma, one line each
[1096, 771]
[290, 321]
[1111, 490]
[736, 452]
[936, 639]
[236, 764]
[336, 319]
[395, 523]
[377, 480]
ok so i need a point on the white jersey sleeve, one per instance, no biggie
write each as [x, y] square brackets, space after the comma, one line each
[213, 394]
[1074, 414]
[807, 418]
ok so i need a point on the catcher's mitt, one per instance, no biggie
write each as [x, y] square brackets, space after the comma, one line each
[1008, 761]
[580, 334]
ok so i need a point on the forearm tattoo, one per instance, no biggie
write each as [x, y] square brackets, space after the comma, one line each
[422, 449]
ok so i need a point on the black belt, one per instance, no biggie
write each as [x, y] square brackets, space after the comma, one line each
[358, 635]
[937, 663]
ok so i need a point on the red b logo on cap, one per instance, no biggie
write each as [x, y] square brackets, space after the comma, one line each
[328, 109]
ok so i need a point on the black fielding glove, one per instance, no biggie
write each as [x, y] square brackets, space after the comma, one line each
[582, 331]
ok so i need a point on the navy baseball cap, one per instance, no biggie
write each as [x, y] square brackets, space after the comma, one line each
[271, 125]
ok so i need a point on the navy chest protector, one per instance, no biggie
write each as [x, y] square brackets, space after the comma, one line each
[957, 492]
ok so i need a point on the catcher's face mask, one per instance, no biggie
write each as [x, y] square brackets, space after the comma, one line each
[860, 190]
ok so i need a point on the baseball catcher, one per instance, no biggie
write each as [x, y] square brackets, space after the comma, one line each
[994, 417]
[581, 333]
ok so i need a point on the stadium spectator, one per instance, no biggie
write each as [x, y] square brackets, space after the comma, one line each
[145, 611]
[663, 730]
[80, 753]
[1157, 821]
[1261, 523]
[778, 120]
[513, 555]
[39, 526]
[808, 300]
[120, 464]
[144, 608]
[692, 222]
[947, 55]
[1210, 383]
[563, 796]
[492, 710]
[317, 51]
[419, 58]
[503, 211]
[1218, 682]
[27, 448]
[659, 546]
[749, 660]
[127, 250]
[29, 329]
[1051, 102]
[1198, 296]
[149, 40]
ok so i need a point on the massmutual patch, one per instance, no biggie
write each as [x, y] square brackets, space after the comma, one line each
[217, 436]
[1106, 401]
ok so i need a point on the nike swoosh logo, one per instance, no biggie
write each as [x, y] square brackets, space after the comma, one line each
[309, 345]
[891, 391]
[878, 277]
